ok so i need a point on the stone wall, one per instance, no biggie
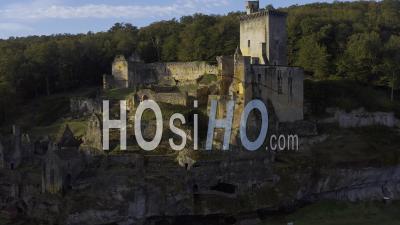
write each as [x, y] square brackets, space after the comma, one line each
[183, 71]
[225, 72]
[127, 73]
[85, 106]
[361, 118]
[93, 139]
[283, 87]
[277, 37]
[174, 98]
[61, 168]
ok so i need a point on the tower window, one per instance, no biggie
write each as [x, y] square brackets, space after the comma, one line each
[248, 43]
[290, 87]
[279, 83]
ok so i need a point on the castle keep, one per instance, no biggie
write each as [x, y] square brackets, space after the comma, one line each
[258, 69]
[263, 35]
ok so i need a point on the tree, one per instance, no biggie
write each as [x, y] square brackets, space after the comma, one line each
[7, 94]
[391, 63]
[124, 38]
[313, 57]
[361, 61]
[43, 60]
[390, 17]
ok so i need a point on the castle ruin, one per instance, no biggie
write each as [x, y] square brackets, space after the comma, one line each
[258, 69]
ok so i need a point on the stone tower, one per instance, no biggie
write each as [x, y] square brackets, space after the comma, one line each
[120, 72]
[263, 35]
[252, 7]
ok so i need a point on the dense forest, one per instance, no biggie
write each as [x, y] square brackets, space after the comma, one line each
[343, 40]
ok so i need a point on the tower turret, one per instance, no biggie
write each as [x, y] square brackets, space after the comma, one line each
[252, 7]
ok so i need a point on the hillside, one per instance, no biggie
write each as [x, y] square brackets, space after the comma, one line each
[337, 120]
[344, 40]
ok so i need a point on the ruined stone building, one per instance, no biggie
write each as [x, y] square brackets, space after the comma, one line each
[66, 139]
[258, 69]
[134, 73]
[60, 168]
[15, 148]
[63, 163]
[81, 107]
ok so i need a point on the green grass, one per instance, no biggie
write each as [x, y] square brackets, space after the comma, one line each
[361, 147]
[207, 79]
[45, 111]
[118, 94]
[341, 213]
[78, 127]
[190, 88]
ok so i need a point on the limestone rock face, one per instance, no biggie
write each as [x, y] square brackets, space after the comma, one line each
[136, 189]
[357, 184]
[361, 118]
[186, 159]
[93, 217]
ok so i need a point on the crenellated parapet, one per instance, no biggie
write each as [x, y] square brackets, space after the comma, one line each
[262, 13]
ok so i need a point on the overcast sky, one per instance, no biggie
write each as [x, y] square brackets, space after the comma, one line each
[37, 17]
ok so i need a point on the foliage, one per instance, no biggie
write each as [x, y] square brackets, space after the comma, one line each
[119, 94]
[342, 40]
[361, 57]
[313, 56]
[345, 39]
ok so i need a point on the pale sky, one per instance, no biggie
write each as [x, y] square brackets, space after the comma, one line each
[43, 17]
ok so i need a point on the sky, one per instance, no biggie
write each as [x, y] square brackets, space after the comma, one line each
[43, 17]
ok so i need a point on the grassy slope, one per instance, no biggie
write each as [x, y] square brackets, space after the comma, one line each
[361, 147]
[46, 115]
[78, 127]
[340, 213]
[374, 146]
[118, 94]
[347, 95]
